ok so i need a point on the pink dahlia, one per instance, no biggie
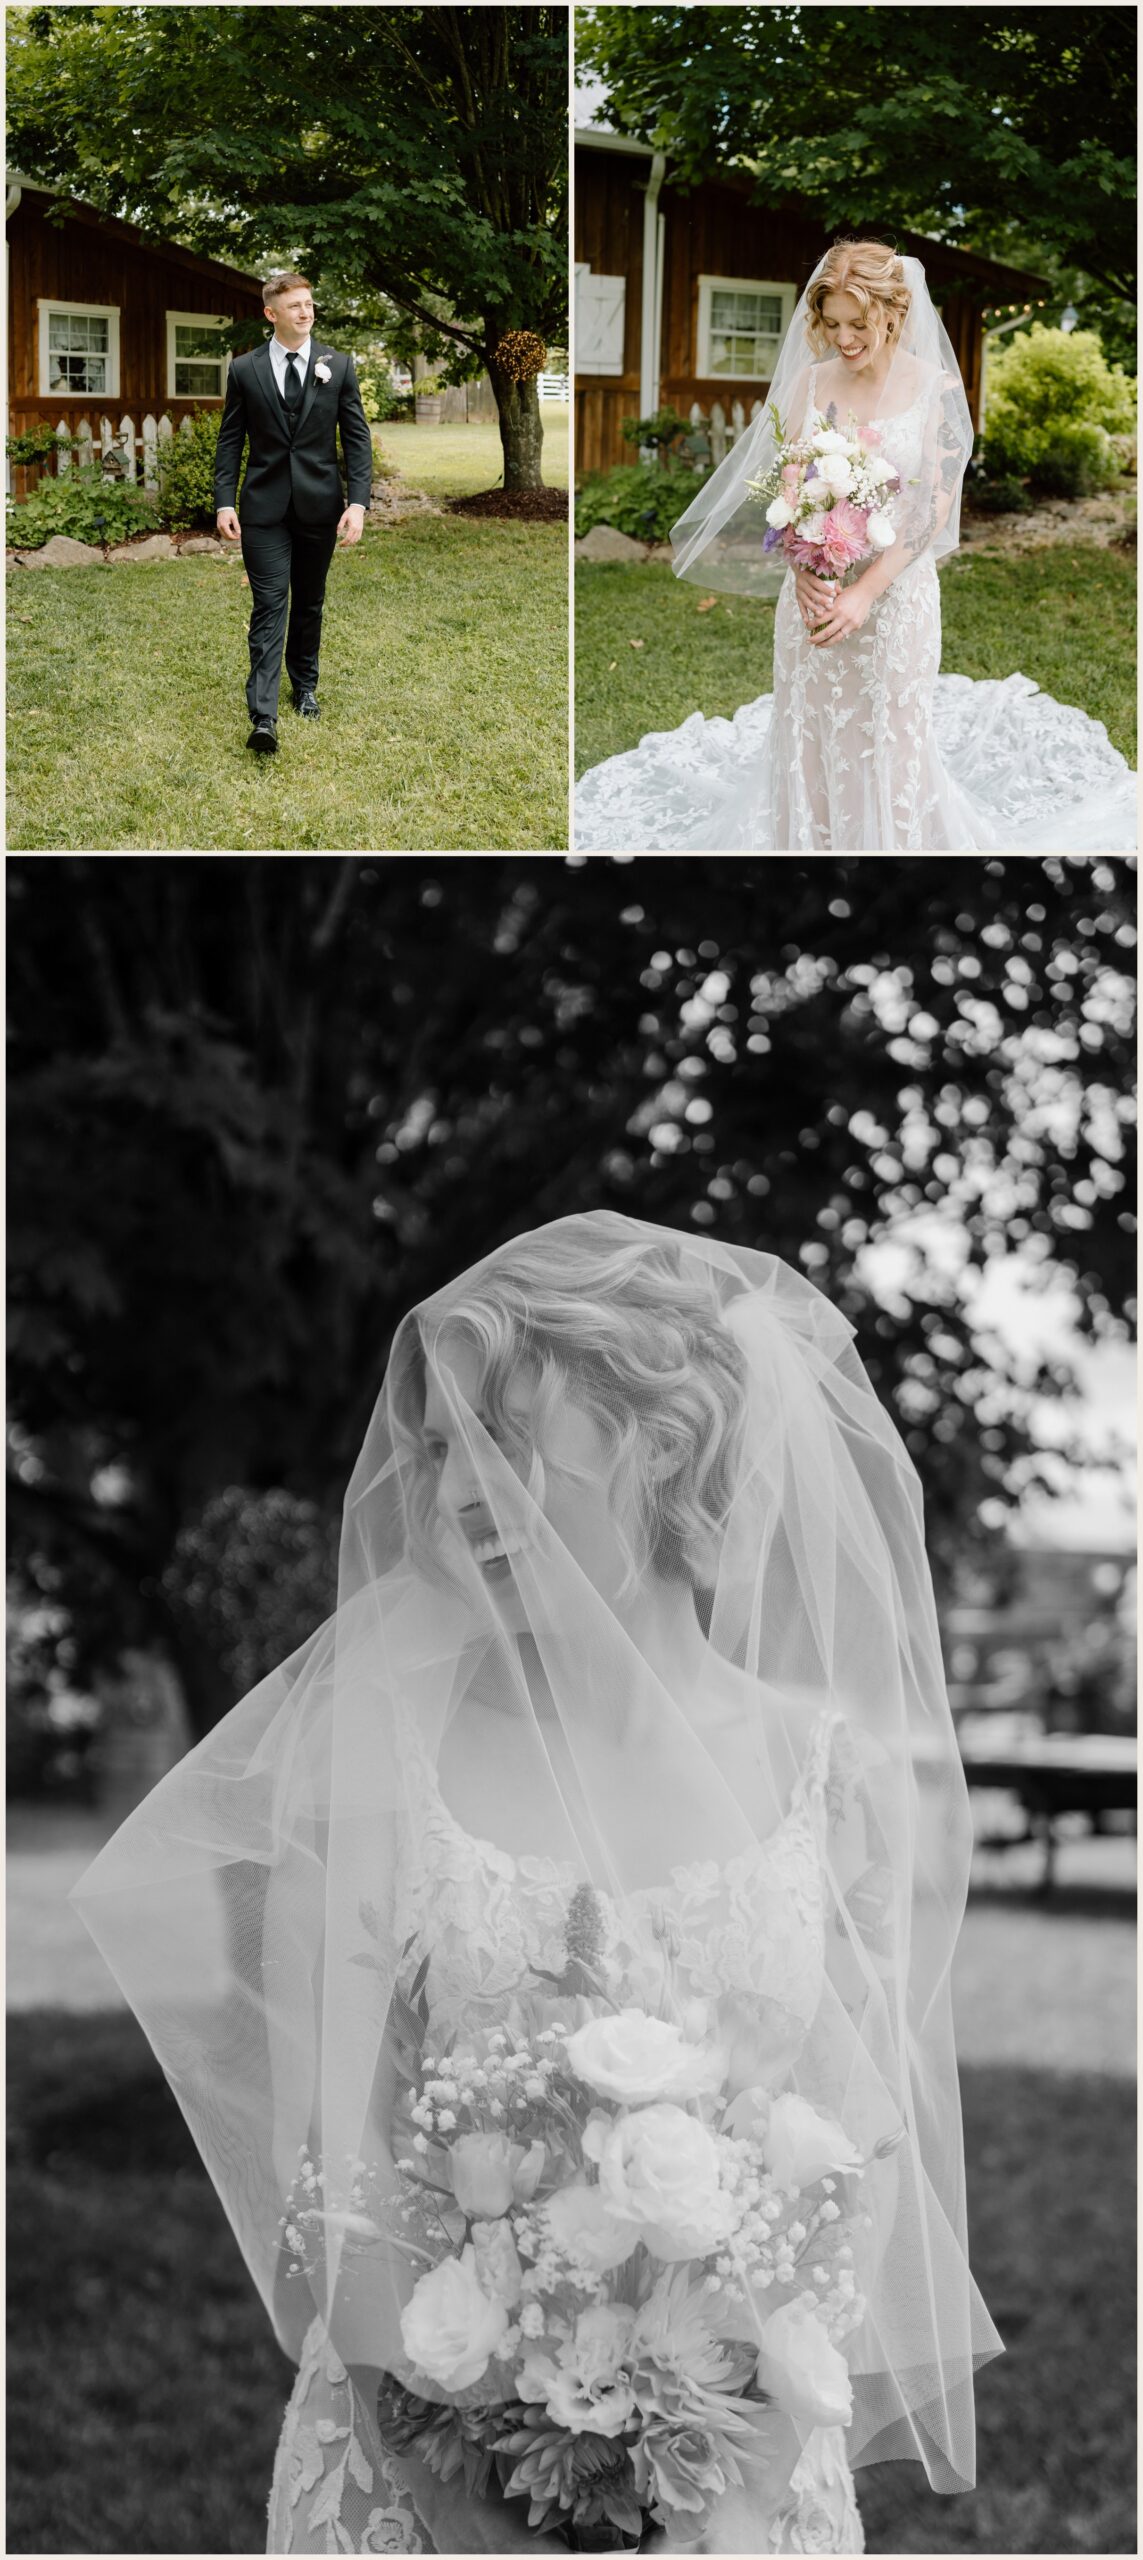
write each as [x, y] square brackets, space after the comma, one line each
[843, 536]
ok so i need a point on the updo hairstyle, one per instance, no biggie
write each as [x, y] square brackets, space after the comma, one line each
[630, 1332]
[874, 275]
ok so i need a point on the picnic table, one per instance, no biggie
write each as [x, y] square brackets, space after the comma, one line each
[1057, 1773]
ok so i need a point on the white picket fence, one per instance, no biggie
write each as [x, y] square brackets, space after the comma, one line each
[124, 455]
[721, 430]
[552, 386]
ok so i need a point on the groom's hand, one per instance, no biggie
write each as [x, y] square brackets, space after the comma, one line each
[351, 526]
[228, 524]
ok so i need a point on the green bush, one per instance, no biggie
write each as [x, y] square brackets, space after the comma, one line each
[251, 1578]
[638, 499]
[82, 504]
[379, 397]
[1054, 401]
[665, 431]
[186, 474]
[1000, 496]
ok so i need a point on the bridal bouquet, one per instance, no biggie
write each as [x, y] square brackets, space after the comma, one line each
[827, 496]
[620, 2267]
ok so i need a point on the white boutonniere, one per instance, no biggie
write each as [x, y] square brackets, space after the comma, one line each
[322, 373]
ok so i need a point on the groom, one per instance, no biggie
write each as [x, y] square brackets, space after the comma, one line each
[286, 400]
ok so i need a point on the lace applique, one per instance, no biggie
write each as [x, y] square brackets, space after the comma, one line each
[820, 2511]
[335, 2488]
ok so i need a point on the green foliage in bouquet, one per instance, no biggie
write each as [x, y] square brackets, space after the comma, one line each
[82, 504]
[637, 499]
[1053, 403]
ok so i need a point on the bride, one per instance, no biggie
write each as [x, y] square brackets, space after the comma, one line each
[552, 1958]
[862, 747]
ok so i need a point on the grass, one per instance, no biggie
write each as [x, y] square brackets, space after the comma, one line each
[455, 462]
[1064, 615]
[444, 690]
[146, 2391]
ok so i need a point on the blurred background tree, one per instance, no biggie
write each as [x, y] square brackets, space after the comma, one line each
[259, 1108]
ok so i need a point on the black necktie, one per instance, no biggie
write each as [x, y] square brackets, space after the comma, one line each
[293, 391]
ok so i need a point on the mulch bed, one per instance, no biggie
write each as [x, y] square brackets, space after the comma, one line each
[536, 506]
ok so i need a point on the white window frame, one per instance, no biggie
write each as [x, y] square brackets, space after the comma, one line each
[612, 368]
[196, 320]
[108, 311]
[708, 287]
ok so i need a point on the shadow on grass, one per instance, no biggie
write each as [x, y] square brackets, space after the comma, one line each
[146, 2390]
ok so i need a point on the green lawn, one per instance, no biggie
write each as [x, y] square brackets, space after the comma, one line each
[444, 691]
[1064, 615]
[146, 2391]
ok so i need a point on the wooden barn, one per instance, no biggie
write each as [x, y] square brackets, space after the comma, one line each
[109, 332]
[684, 298]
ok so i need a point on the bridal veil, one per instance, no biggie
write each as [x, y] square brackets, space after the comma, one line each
[602, 1431]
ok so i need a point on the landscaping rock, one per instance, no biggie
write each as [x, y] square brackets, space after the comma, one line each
[154, 546]
[604, 543]
[62, 552]
[208, 547]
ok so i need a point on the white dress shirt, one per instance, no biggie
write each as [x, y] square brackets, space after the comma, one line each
[278, 358]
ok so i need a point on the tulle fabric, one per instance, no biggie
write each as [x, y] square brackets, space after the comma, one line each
[256, 1909]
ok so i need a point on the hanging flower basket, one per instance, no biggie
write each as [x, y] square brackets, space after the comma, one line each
[521, 355]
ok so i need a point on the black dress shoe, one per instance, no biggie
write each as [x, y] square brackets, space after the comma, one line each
[306, 703]
[263, 738]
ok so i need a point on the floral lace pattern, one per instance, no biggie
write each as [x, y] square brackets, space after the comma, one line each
[752, 1930]
[863, 748]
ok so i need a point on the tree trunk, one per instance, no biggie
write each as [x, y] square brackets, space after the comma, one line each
[521, 430]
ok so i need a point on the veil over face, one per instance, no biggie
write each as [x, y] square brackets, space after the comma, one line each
[628, 1523]
[719, 538]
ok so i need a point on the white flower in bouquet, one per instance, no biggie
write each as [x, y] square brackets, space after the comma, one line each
[450, 2327]
[583, 2226]
[635, 2058]
[876, 468]
[802, 2146]
[880, 531]
[587, 2389]
[660, 2168]
[498, 2262]
[812, 527]
[801, 2368]
[837, 472]
[779, 513]
[489, 2172]
[827, 440]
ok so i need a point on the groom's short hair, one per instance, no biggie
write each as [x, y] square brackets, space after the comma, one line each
[287, 282]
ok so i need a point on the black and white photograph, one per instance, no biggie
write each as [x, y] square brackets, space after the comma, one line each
[572, 1711]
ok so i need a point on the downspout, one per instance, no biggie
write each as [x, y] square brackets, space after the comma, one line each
[652, 290]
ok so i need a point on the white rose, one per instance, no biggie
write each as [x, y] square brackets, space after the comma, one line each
[827, 440]
[779, 513]
[880, 531]
[660, 2168]
[837, 473]
[582, 2223]
[450, 2328]
[802, 2370]
[635, 2058]
[489, 2172]
[877, 468]
[803, 2146]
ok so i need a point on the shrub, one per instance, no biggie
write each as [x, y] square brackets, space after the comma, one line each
[1051, 395]
[82, 504]
[1000, 496]
[638, 499]
[665, 431]
[252, 1577]
[186, 474]
[379, 395]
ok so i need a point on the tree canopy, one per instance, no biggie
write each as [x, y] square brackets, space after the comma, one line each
[260, 1107]
[987, 128]
[413, 154]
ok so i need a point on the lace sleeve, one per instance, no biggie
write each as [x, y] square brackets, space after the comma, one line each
[335, 2487]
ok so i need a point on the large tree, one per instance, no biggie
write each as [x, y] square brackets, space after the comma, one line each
[987, 128]
[414, 155]
[260, 1107]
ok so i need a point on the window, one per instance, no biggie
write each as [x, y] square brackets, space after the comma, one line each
[79, 349]
[196, 357]
[741, 325]
[600, 303]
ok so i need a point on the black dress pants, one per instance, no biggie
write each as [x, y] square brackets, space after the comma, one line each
[287, 565]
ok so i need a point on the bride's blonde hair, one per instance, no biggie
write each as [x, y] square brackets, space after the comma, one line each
[874, 275]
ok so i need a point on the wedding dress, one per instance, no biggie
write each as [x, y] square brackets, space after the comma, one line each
[863, 747]
[754, 1929]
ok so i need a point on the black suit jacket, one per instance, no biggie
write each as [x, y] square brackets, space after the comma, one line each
[299, 469]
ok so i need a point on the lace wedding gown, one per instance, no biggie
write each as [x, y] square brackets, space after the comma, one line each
[864, 748]
[754, 1928]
